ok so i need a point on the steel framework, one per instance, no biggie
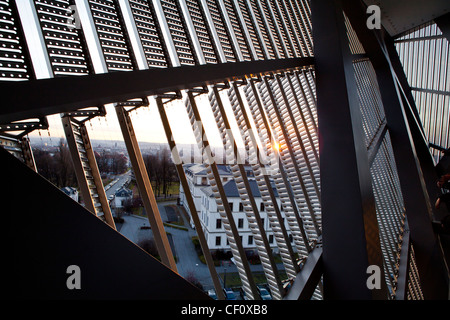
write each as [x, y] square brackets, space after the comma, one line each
[327, 116]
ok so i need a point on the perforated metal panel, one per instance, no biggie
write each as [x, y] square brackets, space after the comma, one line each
[272, 29]
[285, 28]
[248, 198]
[301, 15]
[201, 28]
[390, 210]
[13, 61]
[222, 32]
[65, 49]
[178, 32]
[149, 33]
[261, 170]
[111, 35]
[425, 55]
[305, 195]
[255, 37]
[237, 30]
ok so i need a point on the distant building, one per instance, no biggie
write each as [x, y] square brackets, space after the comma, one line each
[122, 195]
[71, 192]
[197, 178]
[206, 206]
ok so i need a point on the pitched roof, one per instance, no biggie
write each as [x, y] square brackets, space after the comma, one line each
[124, 192]
[231, 189]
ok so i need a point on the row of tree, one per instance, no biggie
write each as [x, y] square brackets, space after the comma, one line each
[57, 167]
[107, 162]
[161, 171]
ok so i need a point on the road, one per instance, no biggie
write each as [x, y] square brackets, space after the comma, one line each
[111, 188]
[188, 262]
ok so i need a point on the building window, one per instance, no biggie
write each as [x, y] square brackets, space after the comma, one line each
[218, 241]
[261, 207]
[291, 238]
[240, 223]
[231, 205]
[218, 223]
[204, 181]
[241, 207]
[250, 240]
[271, 238]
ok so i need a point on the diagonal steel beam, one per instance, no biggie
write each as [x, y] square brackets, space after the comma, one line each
[145, 189]
[350, 229]
[408, 153]
[190, 199]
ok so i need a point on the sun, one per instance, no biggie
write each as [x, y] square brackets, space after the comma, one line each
[276, 146]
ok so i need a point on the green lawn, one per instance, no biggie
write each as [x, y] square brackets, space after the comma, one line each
[233, 280]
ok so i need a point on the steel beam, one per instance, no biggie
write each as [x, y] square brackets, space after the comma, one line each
[145, 189]
[243, 185]
[264, 183]
[308, 278]
[190, 199]
[403, 269]
[350, 229]
[224, 209]
[50, 96]
[428, 254]
[443, 22]
[86, 169]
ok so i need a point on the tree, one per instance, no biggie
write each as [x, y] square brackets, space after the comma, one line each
[56, 167]
[161, 171]
[190, 276]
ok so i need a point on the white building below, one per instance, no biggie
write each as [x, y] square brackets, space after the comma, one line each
[206, 206]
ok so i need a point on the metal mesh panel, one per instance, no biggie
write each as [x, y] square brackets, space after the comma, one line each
[306, 197]
[149, 33]
[201, 28]
[264, 32]
[221, 30]
[414, 291]
[385, 182]
[289, 206]
[65, 49]
[353, 41]
[111, 35]
[301, 15]
[425, 56]
[13, 64]
[286, 28]
[178, 32]
[255, 38]
[237, 29]
[222, 207]
[247, 198]
[369, 99]
[390, 210]
[271, 25]
[264, 182]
